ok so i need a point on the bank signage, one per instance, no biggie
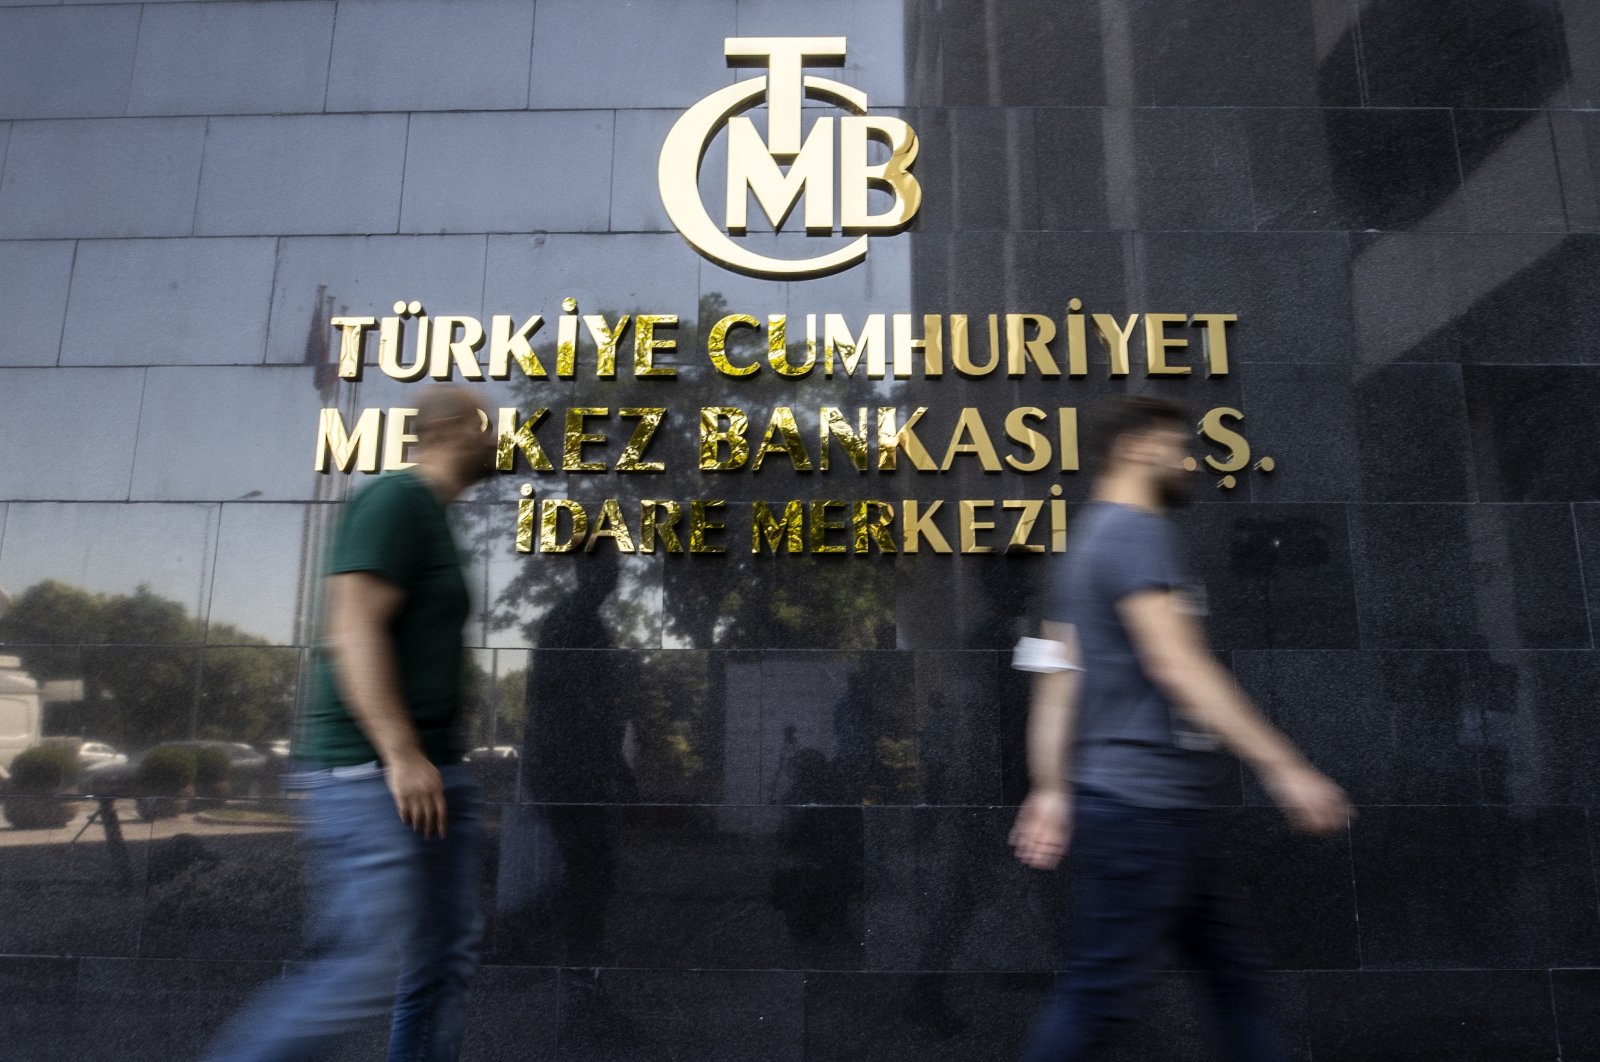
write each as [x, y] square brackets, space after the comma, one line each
[824, 165]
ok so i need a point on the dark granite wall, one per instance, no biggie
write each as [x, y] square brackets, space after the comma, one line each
[755, 807]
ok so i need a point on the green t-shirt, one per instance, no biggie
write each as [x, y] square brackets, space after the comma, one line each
[396, 528]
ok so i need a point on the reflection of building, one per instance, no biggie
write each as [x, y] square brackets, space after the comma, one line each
[20, 709]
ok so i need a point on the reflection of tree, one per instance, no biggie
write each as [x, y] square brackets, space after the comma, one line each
[138, 657]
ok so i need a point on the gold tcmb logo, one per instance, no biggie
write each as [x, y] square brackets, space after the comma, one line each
[754, 166]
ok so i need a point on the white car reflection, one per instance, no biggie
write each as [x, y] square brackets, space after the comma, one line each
[95, 753]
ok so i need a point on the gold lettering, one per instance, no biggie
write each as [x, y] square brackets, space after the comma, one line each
[513, 438]
[633, 454]
[790, 530]
[752, 168]
[783, 423]
[702, 527]
[717, 344]
[971, 437]
[390, 338]
[651, 525]
[872, 520]
[931, 345]
[1024, 529]
[853, 440]
[919, 525]
[821, 525]
[1018, 431]
[448, 352]
[1114, 336]
[778, 348]
[713, 436]
[836, 337]
[1067, 417]
[894, 174]
[397, 436]
[507, 345]
[1214, 427]
[351, 329]
[1216, 339]
[891, 441]
[574, 439]
[1157, 343]
[1020, 350]
[960, 350]
[606, 337]
[550, 510]
[610, 524]
[645, 344]
[971, 525]
[360, 446]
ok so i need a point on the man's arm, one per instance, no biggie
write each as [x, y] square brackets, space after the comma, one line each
[1044, 823]
[1173, 652]
[361, 605]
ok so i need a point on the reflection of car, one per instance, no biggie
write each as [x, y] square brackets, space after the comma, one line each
[248, 776]
[94, 753]
[492, 752]
[280, 748]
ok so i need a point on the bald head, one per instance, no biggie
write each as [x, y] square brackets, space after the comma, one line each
[455, 447]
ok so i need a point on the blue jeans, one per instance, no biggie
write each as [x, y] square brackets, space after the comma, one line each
[398, 922]
[1144, 877]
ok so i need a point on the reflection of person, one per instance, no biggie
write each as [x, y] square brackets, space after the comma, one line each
[1141, 719]
[381, 738]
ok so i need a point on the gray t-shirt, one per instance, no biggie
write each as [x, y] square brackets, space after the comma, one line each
[1129, 745]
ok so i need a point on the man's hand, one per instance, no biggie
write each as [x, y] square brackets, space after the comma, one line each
[1310, 799]
[418, 794]
[1043, 829]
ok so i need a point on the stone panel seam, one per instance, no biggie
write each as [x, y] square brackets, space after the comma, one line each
[533, 37]
[327, 73]
[66, 303]
[405, 165]
[1577, 539]
[133, 69]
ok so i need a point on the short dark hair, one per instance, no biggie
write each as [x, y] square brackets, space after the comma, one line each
[1132, 415]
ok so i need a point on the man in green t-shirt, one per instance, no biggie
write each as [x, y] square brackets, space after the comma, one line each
[394, 819]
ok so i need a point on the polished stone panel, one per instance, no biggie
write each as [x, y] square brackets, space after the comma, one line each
[1471, 1015]
[1301, 891]
[1577, 1002]
[993, 149]
[1577, 146]
[659, 274]
[1191, 170]
[164, 549]
[265, 580]
[945, 893]
[513, 1015]
[1435, 882]
[1071, 179]
[229, 884]
[920, 1017]
[102, 178]
[223, 58]
[34, 277]
[36, 1016]
[1391, 727]
[1524, 422]
[1411, 567]
[364, 276]
[773, 888]
[71, 895]
[164, 302]
[1275, 576]
[1511, 299]
[45, 462]
[1539, 739]
[970, 53]
[683, 55]
[1587, 518]
[475, 58]
[667, 1014]
[1513, 180]
[35, 84]
[1480, 53]
[527, 172]
[1291, 291]
[302, 175]
[1183, 54]
[125, 1005]
[1353, 169]
[185, 412]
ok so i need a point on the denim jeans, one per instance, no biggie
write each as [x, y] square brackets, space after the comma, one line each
[1145, 877]
[396, 922]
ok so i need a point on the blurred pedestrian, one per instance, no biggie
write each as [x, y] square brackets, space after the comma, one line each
[1127, 716]
[394, 821]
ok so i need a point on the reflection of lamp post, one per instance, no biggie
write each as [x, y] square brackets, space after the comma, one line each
[1264, 549]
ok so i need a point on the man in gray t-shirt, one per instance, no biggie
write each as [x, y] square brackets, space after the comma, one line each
[1122, 741]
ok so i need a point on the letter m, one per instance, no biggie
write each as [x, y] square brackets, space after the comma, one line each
[751, 166]
[332, 439]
